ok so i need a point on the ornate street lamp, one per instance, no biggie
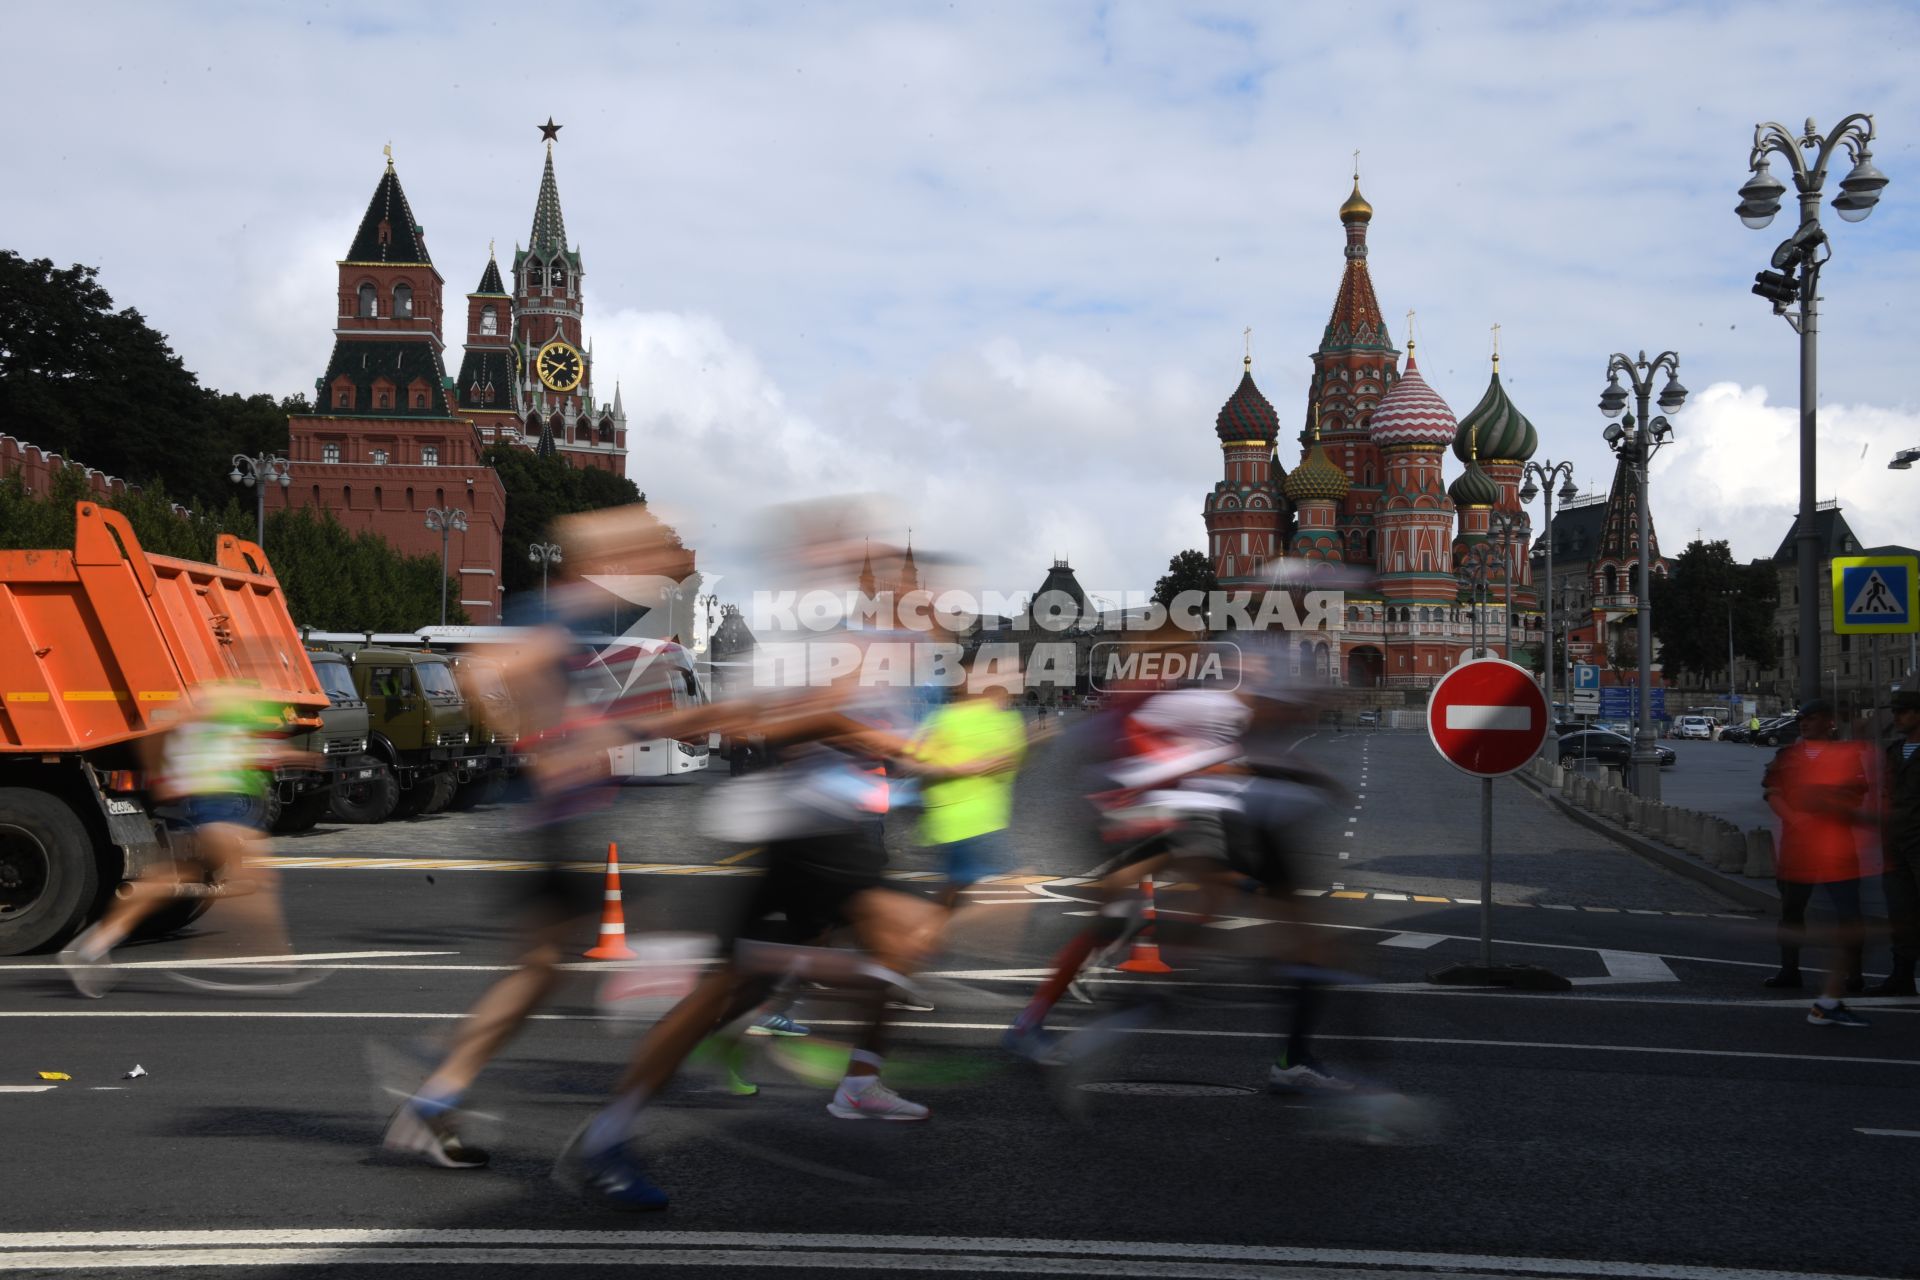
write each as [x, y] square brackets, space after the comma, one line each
[544, 554]
[1635, 442]
[1545, 473]
[257, 474]
[444, 520]
[1802, 252]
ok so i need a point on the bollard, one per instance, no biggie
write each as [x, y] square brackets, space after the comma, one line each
[1729, 846]
[1683, 830]
[1760, 853]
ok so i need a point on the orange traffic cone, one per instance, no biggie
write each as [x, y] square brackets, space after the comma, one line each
[613, 921]
[1144, 955]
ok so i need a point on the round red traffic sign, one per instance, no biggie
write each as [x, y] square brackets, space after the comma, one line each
[1487, 717]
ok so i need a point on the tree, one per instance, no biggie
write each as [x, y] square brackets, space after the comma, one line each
[1690, 609]
[539, 491]
[1188, 571]
[101, 387]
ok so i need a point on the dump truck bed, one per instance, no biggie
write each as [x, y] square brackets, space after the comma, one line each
[105, 642]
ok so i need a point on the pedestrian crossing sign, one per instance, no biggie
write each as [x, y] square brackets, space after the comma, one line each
[1876, 595]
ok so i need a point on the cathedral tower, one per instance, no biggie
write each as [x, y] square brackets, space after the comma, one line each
[1246, 515]
[1412, 427]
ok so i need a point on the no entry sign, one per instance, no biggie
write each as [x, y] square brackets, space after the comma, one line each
[1488, 718]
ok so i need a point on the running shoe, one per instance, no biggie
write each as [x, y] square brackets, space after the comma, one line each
[1785, 980]
[91, 978]
[1036, 1044]
[618, 1177]
[778, 1024]
[1838, 1016]
[910, 1004]
[1304, 1077]
[413, 1132]
[875, 1102]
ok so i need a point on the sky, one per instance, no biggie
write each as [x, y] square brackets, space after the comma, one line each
[996, 261]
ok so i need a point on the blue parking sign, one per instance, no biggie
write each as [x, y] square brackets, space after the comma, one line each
[1875, 595]
[1586, 676]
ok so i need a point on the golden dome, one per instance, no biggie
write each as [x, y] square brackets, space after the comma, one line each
[1356, 209]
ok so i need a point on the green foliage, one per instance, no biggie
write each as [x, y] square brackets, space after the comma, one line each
[102, 387]
[1690, 610]
[1188, 571]
[334, 580]
[539, 490]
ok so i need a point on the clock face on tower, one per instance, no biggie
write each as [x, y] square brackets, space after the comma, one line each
[559, 366]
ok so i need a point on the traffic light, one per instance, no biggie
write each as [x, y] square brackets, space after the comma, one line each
[1777, 287]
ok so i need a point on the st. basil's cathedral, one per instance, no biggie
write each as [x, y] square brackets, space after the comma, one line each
[1369, 492]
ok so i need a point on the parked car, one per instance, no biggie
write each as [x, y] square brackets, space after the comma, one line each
[1735, 733]
[1777, 732]
[1697, 727]
[1604, 746]
[1369, 720]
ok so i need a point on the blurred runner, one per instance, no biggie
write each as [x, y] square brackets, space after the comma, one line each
[1820, 789]
[969, 752]
[211, 773]
[556, 683]
[1900, 843]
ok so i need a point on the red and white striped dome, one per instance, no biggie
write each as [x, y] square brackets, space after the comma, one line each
[1412, 412]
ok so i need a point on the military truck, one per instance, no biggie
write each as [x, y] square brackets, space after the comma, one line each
[300, 797]
[493, 727]
[417, 736]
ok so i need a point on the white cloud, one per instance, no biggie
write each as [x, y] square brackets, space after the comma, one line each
[1733, 471]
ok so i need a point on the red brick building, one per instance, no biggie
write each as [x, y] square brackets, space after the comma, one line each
[391, 435]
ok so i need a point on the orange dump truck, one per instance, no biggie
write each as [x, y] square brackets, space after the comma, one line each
[101, 647]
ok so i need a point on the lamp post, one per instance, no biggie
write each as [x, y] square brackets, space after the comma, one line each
[257, 474]
[1506, 524]
[1476, 568]
[444, 520]
[543, 554]
[1733, 691]
[1636, 441]
[1759, 201]
[1545, 473]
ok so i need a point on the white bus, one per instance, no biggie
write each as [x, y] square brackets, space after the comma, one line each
[628, 671]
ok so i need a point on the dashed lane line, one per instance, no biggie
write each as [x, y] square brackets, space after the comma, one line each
[283, 862]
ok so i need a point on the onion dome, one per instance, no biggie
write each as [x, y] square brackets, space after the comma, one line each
[1247, 416]
[1504, 432]
[1316, 477]
[1474, 488]
[1356, 209]
[1412, 412]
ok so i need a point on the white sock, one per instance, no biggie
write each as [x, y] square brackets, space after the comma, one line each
[853, 1086]
[1827, 1002]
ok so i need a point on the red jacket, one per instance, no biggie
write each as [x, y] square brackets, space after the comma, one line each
[1822, 792]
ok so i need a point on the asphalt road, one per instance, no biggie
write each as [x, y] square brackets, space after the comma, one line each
[1664, 1113]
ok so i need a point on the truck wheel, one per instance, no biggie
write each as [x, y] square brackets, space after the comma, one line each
[366, 800]
[271, 807]
[49, 875]
[440, 794]
[413, 800]
[483, 790]
[305, 811]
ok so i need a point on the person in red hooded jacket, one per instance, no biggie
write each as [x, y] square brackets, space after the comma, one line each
[1821, 788]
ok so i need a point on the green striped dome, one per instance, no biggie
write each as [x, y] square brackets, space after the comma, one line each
[1505, 433]
[1474, 488]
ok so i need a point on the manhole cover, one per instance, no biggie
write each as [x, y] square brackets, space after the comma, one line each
[1165, 1089]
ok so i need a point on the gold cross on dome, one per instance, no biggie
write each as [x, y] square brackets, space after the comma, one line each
[1247, 333]
[388, 152]
[1356, 164]
[1496, 344]
[1409, 328]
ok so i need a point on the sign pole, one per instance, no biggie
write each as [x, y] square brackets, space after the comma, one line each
[1486, 873]
[1488, 718]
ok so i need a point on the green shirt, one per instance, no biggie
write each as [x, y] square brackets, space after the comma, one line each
[964, 733]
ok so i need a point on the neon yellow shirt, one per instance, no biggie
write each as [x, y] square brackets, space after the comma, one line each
[964, 733]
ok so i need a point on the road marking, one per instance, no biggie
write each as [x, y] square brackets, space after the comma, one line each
[1414, 941]
[1636, 966]
[27, 1088]
[730, 859]
[76, 1250]
[299, 958]
[1890, 1133]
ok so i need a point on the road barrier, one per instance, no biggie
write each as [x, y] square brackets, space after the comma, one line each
[1710, 840]
[613, 919]
[1144, 956]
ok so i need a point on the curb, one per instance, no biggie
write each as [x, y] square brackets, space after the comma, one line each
[1738, 889]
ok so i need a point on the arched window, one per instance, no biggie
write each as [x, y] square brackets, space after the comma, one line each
[606, 431]
[419, 399]
[343, 398]
[533, 425]
[378, 498]
[1369, 474]
[559, 427]
[403, 302]
[346, 496]
[439, 497]
[1353, 613]
[535, 275]
[1612, 580]
[489, 319]
[330, 451]
[369, 301]
[559, 274]
[409, 497]
[584, 432]
[1633, 579]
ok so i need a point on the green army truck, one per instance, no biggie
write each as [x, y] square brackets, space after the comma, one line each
[300, 797]
[492, 730]
[418, 723]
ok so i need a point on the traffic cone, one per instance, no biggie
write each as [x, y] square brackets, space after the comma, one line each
[1144, 955]
[613, 921]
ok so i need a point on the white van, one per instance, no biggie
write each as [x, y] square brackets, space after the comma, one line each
[1693, 727]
